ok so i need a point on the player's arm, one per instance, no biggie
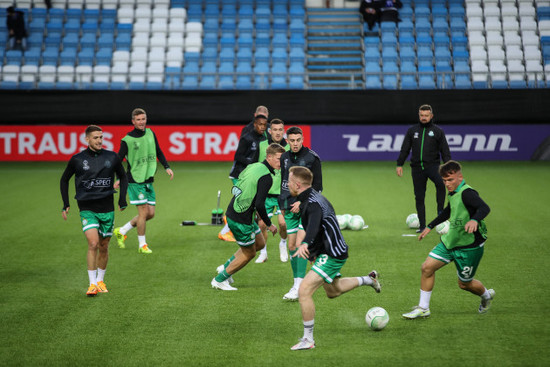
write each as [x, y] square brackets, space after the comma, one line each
[444, 148]
[123, 179]
[241, 153]
[64, 187]
[317, 183]
[477, 208]
[442, 217]
[314, 215]
[264, 184]
[162, 159]
[405, 150]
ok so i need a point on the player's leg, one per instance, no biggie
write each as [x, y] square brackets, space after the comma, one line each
[90, 227]
[297, 264]
[311, 283]
[437, 258]
[440, 191]
[467, 262]
[136, 193]
[246, 252]
[225, 233]
[283, 253]
[419, 186]
[106, 221]
[144, 213]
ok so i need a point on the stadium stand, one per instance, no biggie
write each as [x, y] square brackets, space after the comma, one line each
[269, 44]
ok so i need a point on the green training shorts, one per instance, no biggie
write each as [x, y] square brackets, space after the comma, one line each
[293, 221]
[328, 267]
[104, 222]
[466, 259]
[272, 206]
[141, 193]
[245, 234]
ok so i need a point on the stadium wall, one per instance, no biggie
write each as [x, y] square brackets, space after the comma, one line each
[41, 107]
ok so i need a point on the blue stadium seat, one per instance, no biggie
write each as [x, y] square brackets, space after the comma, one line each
[14, 57]
[426, 81]
[244, 67]
[389, 82]
[32, 56]
[104, 56]
[408, 66]
[209, 67]
[50, 56]
[296, 82]
[207, 82]
[462, 82]
[408, 82]
[226, 82]
[373, 82]
[190, 82]
[191, 67]
[68, 56]
[226, 67]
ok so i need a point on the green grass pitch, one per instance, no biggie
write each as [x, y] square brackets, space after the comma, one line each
[161, 310]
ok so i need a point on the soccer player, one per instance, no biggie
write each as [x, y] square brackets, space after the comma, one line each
[94, 170]
[324, 244]
[141, 149]
[463, 244]
[429, 147]
[247, 153]
[276, 135]
[298, 155]
[249, 194]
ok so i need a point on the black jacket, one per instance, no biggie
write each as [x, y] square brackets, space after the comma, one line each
[323, 235]
[305, 157]
[429, 146]
[247, 152]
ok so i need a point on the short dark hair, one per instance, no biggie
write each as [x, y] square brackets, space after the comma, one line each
[90, 129]
[277, 122]
[294, 130]
[426, 107]
[274, 148]
[302, 173]
[138, 111]
[10, 10]
[449, 168]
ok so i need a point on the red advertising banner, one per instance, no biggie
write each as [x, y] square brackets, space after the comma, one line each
[178, 143]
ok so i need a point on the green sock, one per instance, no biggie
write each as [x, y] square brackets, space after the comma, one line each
[222, 276]
[301, 267]
[293, 262]
[228, 262]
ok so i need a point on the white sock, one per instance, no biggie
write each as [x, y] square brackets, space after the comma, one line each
[366, 280]
[126, 228]
[486, 294]
[424, 299]
[282, 242]
[297, 282]
[92, 276]
[141, 240]
[308, 330]
[264, 250]
[225, 229]
[100, 274]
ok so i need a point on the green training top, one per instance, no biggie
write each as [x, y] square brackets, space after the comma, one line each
[246, 188]
[457, 235]
[142, 156]
[276, 187]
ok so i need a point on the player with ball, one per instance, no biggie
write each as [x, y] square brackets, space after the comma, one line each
[463, 243]
[324, 244]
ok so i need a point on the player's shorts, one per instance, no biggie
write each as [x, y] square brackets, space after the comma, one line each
[104, 222]
[292, 221]
[245, 234]
[141, 193]
[328, 267]
[466, 259]
[272, 206]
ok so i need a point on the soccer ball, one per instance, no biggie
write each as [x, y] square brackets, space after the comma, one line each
[412, 221]
[342, 222]
[356, 223]
[377, 318]
[443, 228]
[345, 218]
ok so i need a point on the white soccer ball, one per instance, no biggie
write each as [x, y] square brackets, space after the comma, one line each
[342, 222]
[377, 318]
[356, 223]
[443, 228]
[345, 218]
[413, 221]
